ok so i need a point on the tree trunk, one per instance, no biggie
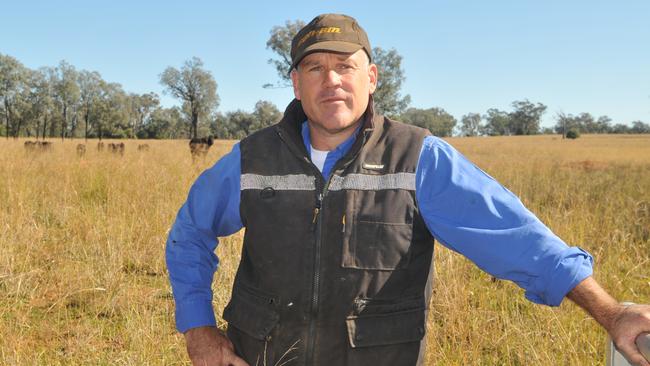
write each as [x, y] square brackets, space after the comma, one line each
[7, 120]
[17, 128]
[44, 125]
[195, 123]
[86, 115]
[64, 123]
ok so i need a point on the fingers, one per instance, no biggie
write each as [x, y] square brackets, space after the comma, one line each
[632, 354]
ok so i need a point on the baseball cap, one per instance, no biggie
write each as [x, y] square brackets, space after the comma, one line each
[330, 33]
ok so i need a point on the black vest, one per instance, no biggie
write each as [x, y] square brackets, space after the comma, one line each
[333, 272]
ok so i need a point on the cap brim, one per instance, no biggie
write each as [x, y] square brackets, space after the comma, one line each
[328, 46]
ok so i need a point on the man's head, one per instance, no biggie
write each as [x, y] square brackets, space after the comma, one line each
[332, 74]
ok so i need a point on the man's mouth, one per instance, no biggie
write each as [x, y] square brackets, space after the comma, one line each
[333, 100]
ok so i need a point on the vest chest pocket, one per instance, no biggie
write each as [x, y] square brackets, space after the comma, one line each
[380, 229]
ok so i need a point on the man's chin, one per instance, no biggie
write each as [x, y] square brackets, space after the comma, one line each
[335, 127]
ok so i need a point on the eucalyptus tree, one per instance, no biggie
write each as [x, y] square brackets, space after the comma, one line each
[195, 87]
[13, 83]
[66, 94]
[90, 83]
[142, 105]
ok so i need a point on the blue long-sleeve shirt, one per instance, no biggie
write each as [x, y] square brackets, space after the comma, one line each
[464, 208]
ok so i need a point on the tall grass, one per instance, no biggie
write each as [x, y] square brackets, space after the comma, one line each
[83, 280]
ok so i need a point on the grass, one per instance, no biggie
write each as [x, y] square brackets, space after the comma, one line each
[83, 279]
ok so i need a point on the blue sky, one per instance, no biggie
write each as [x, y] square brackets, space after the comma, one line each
[464, 56]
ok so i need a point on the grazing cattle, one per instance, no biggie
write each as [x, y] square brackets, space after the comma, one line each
[100, 146]
[199, 147]
[116, 148]
[38, 145]
[143, 147]
[30, 145]
[81, 150]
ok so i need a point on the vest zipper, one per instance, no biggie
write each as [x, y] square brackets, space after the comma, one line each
[317, 220]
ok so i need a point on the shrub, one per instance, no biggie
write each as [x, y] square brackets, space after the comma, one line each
[572, 134]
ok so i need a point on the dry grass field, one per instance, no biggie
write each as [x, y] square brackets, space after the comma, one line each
[83, 279]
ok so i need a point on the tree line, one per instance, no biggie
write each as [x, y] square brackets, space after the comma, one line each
[64, 102]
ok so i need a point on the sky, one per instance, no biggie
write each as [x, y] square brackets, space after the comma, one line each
[464, 56]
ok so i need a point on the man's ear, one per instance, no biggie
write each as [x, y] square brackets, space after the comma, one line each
[296, 83]
[373, 74]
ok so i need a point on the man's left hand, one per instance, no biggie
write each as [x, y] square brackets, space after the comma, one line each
[627, 325]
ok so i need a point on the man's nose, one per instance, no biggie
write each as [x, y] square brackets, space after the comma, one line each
[332, 78]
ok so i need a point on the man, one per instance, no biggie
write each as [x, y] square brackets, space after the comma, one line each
[340, 207]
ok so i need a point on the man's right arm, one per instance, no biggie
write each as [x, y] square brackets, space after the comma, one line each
[211, 211]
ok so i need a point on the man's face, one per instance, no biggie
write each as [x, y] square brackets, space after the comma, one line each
[334, 88]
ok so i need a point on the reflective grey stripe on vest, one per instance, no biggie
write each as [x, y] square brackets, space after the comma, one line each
[290, 182]
[369, 182]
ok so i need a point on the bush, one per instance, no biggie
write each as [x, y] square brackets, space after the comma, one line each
[572, 134]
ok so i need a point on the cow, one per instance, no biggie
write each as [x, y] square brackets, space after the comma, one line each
[100, 146]
[199, 147]
[38, 145]
[143, 147]
[81, 150]
[116, 148]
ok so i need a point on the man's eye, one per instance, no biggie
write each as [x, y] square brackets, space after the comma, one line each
[315, 68]
[345, 68]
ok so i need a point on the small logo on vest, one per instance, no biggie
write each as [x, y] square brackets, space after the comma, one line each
[372, 166]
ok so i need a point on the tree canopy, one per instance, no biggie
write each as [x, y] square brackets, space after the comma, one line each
[196, 87]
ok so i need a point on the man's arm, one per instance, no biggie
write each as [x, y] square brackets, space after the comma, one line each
[469, 212]
[623, 323]
[211, 210]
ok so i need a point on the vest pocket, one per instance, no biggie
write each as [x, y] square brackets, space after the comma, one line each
[252, 312]
[251, 317]
[377, 245]
[386, 329]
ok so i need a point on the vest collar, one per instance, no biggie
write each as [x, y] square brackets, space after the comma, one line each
[294, 116]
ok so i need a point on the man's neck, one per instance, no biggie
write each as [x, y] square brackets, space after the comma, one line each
[326, 141]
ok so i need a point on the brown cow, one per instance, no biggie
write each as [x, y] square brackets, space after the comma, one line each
[116, 148]
[199, 147]
[81, 150]
[143, 147]
[38, 145]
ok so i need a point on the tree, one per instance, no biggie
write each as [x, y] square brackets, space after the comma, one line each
[280, 43]
[526, 117]
[196, 87]
[582, 123]
[112, 112]
[241, 123]
[142, 105]
[436, 120]
[603, 125]
[471, 124]
[13, 83]
[266, 114]
[163, 123]
[640, 127]
[620, 128]
[497, 123]
[387, 98]
[89, 93]
[66, 94]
